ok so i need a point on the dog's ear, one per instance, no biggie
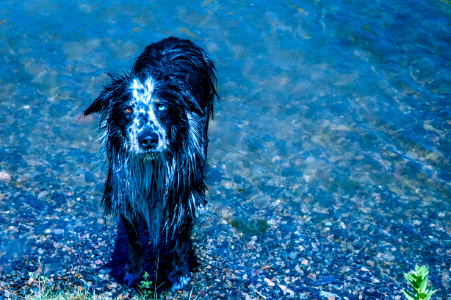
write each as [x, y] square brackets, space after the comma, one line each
[97, 106]
[102, 101]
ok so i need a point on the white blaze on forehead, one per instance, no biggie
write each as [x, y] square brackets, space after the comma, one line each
[142, 97]
[144, 106]
[143, 92]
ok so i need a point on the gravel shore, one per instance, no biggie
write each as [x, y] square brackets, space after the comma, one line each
[276, 253]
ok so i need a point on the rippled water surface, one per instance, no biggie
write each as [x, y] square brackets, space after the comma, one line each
[334, 114]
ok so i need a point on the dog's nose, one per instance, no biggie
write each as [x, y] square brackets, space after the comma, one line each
[148, 140]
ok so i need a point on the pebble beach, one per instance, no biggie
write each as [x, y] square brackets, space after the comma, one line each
[328, 166]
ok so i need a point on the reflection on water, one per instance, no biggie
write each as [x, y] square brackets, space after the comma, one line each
[331, 112]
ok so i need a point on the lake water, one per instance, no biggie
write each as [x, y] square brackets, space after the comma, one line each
[333, 115]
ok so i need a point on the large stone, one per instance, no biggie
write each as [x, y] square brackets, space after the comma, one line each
[423, 70]
[5, 177]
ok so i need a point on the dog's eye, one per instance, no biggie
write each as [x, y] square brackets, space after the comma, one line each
[161, 107]
[128, 110]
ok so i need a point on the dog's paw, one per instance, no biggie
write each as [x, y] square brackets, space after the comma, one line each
[134, 267]
[131, 279]
[133, 272]
[181, 282]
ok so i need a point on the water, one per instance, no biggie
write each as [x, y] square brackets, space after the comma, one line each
[330, 111]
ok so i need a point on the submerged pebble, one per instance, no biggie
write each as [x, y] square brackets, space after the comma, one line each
[5, 177]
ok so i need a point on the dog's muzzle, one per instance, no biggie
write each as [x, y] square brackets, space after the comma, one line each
[148, 140]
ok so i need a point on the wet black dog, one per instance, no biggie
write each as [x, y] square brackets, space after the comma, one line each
[153, 126]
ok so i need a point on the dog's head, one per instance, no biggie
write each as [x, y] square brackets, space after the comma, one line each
[136, 115]
[164, 104]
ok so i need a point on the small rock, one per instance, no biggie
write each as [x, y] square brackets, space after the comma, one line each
[59, 231]
[5, 177]
[361, 255]
[370, 263]
[112, 285]
[13, 229]
[416, 222]
[23, 178]
[286, 290]
[364, 269]
[323, 280]
[23, 228]
[6, 294]
[40, 251]
[30, 281]
[440, 214]
[387, 256]
[358, 244]
[18, 282]
[299, 270]
[304, 262]
[329, 296]
[269, 282]
[292, 255]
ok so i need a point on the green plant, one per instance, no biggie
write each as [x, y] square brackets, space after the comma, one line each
[45, 290]
[145, 287]
[418, 280]
[48, 291]
[145, 291]
[44, 284]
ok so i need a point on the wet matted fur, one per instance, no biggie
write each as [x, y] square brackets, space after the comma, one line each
[153, 127]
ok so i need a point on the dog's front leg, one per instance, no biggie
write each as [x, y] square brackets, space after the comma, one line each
[180, 275]
[134, 267]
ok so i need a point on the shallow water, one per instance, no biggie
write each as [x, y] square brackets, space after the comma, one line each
[340, 109]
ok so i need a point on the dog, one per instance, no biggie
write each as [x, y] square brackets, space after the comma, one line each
[154, 123]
